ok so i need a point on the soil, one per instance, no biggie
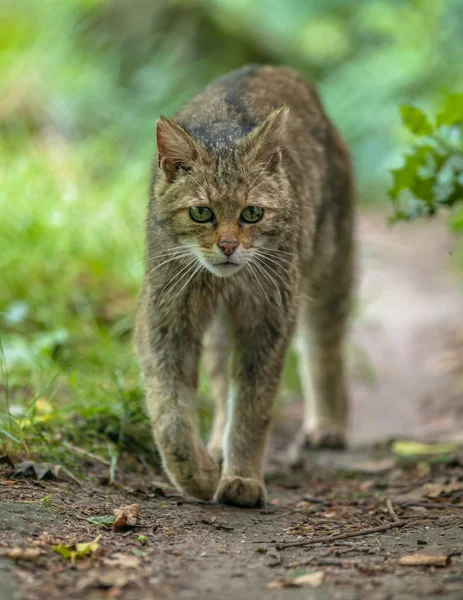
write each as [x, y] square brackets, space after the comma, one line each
[404, 384]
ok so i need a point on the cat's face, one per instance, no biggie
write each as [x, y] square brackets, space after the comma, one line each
[226, 210]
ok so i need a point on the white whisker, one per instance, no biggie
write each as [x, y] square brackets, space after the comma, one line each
[181, 250]
[257, 279]
[261, 268]
[275, 250]
[195, 272]
[275, 260]
[167, 261]
[185, 271]
[265, 266]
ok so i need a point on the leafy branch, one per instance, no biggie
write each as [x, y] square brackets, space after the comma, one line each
[431, 176]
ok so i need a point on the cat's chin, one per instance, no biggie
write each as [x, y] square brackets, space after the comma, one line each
[224, 269]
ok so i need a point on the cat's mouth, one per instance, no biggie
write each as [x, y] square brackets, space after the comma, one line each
[225, 268]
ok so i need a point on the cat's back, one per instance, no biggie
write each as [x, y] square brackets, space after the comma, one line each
[233, 105]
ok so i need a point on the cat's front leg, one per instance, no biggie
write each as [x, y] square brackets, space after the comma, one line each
[256, 370]
[169, 358]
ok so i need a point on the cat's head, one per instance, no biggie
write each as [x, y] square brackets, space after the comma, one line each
[225, 205]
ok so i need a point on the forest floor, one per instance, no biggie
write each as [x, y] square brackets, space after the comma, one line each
[313, 538]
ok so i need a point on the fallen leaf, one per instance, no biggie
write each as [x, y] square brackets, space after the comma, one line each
[411, 448]
[434, 490]
[142, 539]
[128, 561]
[126, 516]
[28, 468]
[76, 551]
[114, 578]
[282, 583]
[29, 554]
[105, 521]
[218, 524]
[431, 490]
[45, 471]
[314, 579]
[416, 560]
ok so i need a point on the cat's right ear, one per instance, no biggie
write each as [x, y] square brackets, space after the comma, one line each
[176, 148]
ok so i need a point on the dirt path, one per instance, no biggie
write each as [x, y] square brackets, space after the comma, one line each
[404, 383]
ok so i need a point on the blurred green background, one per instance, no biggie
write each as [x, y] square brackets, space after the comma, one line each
[81, 85]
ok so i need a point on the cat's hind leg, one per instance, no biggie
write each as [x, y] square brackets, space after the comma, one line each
[320, 343]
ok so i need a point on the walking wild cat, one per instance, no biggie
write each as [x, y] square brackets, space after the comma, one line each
[249, 239]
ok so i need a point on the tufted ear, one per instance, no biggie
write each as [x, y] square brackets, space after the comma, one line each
[176, 147]
[262, 145]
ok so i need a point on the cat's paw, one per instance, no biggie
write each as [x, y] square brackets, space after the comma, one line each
[198, 478]
[241, 491]
[320, 437]
[325, 437]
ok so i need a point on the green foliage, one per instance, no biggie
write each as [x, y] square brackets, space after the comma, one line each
[431, 176]
[105, 522]
[77, 551]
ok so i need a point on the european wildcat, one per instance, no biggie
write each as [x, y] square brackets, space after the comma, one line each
[249, 237]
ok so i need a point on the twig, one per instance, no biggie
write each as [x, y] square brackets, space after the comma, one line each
[391, 510]
[79, 450]
[302, 563]
[290, 512]
[344, 536]
[431, 505]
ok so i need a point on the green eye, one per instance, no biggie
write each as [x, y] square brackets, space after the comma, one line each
[201, 214]
[252, 214]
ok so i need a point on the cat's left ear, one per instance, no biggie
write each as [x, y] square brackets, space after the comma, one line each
[262, 145]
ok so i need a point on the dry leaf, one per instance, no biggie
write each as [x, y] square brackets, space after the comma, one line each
[129, 561]
[126, 516]
[282, 583]
[434, 490]
[29, 554]
[415, 560]
[114, 578]
[28, 468]
[46, 471]
[314, 579]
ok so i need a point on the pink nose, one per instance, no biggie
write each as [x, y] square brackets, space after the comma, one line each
[228, 245]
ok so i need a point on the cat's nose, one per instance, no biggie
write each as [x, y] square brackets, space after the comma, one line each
[228, 245]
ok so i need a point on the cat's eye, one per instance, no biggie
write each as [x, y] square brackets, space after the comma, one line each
[201, 214]
[252, 214]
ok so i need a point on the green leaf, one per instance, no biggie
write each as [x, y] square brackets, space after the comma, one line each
[76, 551]
[452, 113]
[412, 448]
[105, 521]
[142, 539]
[416, 120]
[423, 188]
[405, 175]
